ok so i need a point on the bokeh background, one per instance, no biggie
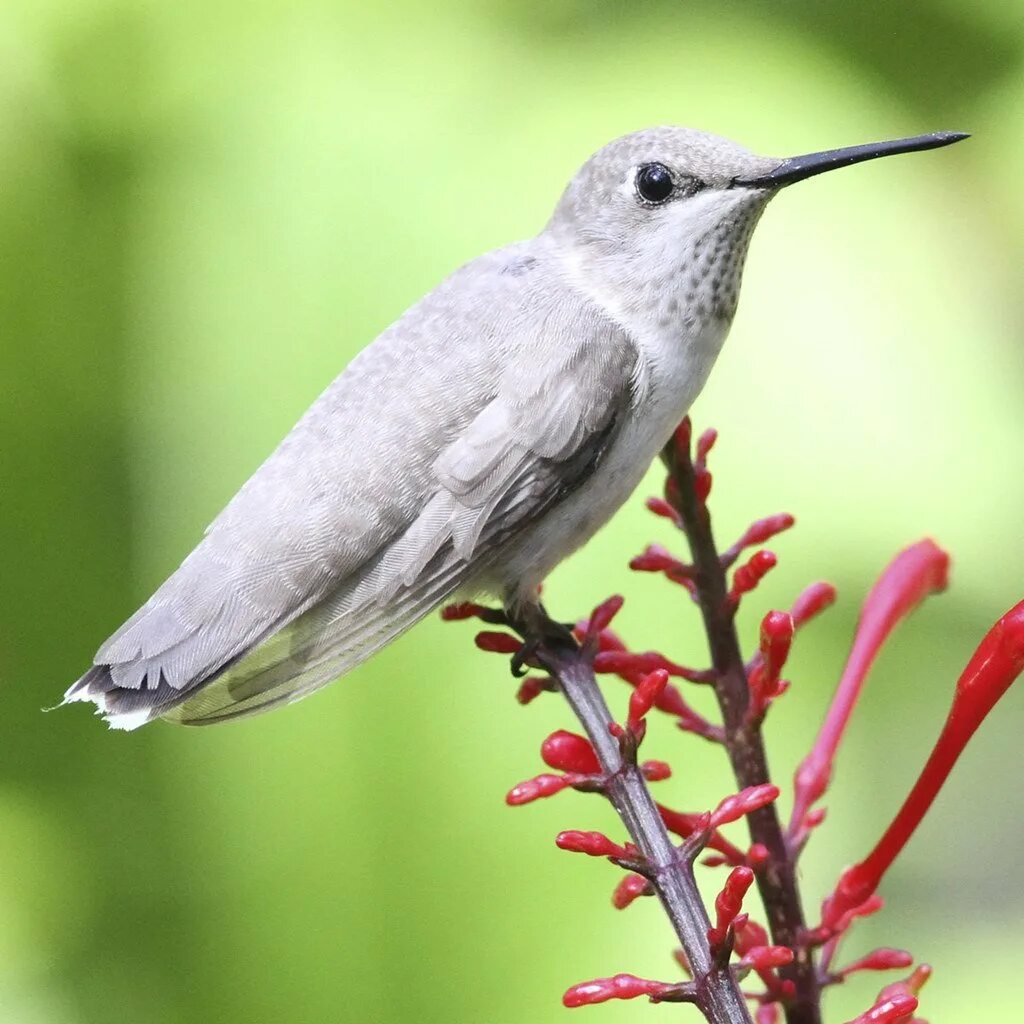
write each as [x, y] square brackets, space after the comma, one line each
[206, 210]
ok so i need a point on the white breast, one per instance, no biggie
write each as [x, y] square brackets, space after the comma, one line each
[671, 373]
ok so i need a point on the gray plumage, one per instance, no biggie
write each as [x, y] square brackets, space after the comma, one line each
[476, 442]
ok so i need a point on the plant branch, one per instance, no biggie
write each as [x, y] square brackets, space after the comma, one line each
[777, 880]
[717, 992]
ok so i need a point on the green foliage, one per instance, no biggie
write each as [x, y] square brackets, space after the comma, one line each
[205, 211]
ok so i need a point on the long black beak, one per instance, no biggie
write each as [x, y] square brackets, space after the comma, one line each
[799, 167]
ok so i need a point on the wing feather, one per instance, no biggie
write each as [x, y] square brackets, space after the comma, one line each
[390, 494]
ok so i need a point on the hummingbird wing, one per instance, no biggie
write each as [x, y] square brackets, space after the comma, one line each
[458, 426]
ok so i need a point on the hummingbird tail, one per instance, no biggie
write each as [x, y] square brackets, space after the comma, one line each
[306, 654]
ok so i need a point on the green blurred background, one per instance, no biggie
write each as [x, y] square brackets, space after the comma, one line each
[206, 210]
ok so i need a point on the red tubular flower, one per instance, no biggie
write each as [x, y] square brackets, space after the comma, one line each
[594, 844]
[879, 960]
[888, 1011]
[812, 602]
[728, 904]
[764, 958]
[643, 698]
[747, 576]
[537, 789]
[622, 986]
[912, 575]
[750, 799]
[768, 1013]
[569, 752]
[997, 662]
[629, 889]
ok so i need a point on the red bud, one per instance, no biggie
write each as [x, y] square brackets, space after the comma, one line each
[532, 687]
[569, 752]
[747, 576]
[764, 958]
[536, 789]
[888, 1011]
[497, 642]
[728, 904]
[646, 694]
[662, 508]
[656, 771]
[630, 888]
[622, 986]
[879, 960]
[601, 617]
[749, 935]
[812, 602]
[732, 808]
[594, 844]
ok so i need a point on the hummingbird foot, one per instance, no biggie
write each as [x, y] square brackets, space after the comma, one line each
[539, 631]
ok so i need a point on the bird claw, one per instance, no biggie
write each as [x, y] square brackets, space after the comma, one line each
[539, 631]
[522, 656]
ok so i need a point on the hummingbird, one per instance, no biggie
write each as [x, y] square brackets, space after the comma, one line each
[476, 443]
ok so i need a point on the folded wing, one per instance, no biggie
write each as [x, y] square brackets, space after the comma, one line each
[459, 426]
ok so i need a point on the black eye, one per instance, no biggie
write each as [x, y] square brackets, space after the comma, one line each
[654, 183]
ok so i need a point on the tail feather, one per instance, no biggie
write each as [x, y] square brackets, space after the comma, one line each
[317, 647]
[309, 654]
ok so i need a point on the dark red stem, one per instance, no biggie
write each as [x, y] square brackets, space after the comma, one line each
[777, 881]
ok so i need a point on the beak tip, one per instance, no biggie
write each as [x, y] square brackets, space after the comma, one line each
[801, 167]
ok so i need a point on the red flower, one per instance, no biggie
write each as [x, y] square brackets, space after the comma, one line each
[997, 662]
[912, 575]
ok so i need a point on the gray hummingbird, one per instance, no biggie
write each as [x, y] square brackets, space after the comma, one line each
[477, 442]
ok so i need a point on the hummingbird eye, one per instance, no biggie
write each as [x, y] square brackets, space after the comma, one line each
[654, 183]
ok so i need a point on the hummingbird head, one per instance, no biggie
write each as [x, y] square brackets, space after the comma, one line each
[657, 223]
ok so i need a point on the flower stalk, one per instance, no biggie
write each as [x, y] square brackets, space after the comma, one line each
[793, 963]
[689, 484]
[715, 991]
